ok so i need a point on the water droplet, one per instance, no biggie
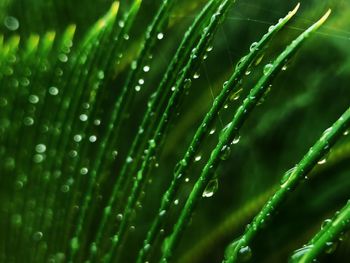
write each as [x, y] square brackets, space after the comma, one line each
[299, 253]
[38, 158]
[245, 253]
[346, 132]
[197, 158]
[253, 46]
[160, 36]
[37, 236]
[236, 139]
[322, 161]
[141, 81]
[211, 188]
[162, 213]
[331, 247]
[11, 23]
[92, 138]
[129, 159]
[212, 131]
[271, 28]
[40, 148]
[225, 152]
[65, 188]
[284, 68]
[196, 75]
[119, 217]
[84, 170]
[101, 74]
[83, 117]
[53, 91]
[325, 223]
[176, 202]
[74, 243]
[223, 131]
[33, 99]
[137, 88]
[63, 58]
[121, 23]
[152, 143]
[287, 175]
[146, 68]
[267, 68]
[77, 138]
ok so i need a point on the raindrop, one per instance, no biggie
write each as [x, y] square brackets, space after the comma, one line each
[197, 158]
[77, 138]
[253, 46]
[40, 148]
[63, 58]
[11, 23]
[322, 161]
[34, 99]
[92, 138]
[196, 75]
[37, 236]
[146, 68]
[121, 23]
[137, 88]
[141, 81]
[38, 158]
[211, 188]
[65, 188]
[287, 175]
[235, 95]
[83, 117]
[84, 170]
[267, 68]
[225, 152]
[176, 202]
[271, 28]
[212, 131]
[325, 223]
[236, 139]
[129, 159]
[160, 36]
[245, 253]
[119, 217]
[299, 253]
[53, 91]
[101, 75]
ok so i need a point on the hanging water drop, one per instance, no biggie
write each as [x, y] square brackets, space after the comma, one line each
[197, 158]
[211, 188]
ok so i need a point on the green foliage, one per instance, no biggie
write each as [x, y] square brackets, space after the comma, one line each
[164, 131]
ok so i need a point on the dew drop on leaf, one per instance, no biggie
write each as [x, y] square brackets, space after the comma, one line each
[211, 188]
[267, 68]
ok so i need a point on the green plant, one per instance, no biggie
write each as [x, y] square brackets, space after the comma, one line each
[112, 134]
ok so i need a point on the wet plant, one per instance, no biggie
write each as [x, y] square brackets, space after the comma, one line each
[140, 131]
